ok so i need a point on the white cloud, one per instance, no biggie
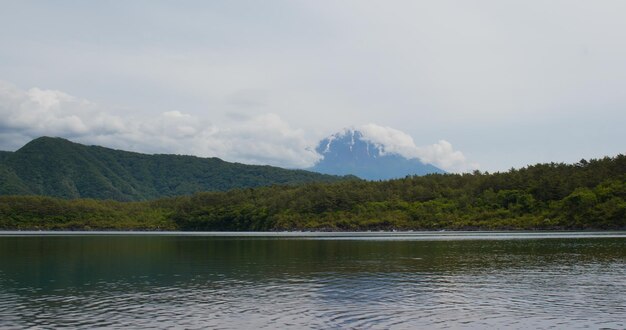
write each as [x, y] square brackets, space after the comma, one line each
[481, 73]
[443, 155]
[36, 112]
[259, 139]
[395, 141]
[262, 139]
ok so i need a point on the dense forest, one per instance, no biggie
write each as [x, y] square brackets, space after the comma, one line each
[60, 168]
[586, 195]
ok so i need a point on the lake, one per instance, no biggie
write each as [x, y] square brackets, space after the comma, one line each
[313, 280]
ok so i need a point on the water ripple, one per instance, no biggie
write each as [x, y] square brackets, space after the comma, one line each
[319, 285]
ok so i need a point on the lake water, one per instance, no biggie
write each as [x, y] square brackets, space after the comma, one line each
[313, 280]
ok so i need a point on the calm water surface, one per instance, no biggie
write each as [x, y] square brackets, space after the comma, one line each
[327, 280]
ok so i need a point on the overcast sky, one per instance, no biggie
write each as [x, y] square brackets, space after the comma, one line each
[479, 84]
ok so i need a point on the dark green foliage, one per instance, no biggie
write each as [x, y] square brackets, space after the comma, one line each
[10, 183]
[587, 195]
[4, 154]
[60, 168]
[545, 196]
[36, 212]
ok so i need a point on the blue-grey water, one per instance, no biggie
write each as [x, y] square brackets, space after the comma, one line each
[313, 280]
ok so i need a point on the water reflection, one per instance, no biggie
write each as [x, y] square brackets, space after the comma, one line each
[260, 282]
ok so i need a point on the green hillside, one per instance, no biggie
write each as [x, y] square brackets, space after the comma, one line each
[60, 168]
[587, 195]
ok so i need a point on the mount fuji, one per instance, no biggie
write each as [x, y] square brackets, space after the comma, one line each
[350, 152]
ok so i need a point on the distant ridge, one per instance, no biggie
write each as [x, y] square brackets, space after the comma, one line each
[348, 152]
[61, 168]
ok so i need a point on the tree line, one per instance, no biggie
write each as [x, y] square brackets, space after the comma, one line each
[590, 194]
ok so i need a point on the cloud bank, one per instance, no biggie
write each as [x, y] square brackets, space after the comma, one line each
[260, 139]
[440, 154]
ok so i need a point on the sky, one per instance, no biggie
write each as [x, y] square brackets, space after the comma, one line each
[465, 85]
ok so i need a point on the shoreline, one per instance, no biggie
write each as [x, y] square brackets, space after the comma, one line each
[413, 233]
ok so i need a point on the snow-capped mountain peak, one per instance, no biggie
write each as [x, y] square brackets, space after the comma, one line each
[351, 152]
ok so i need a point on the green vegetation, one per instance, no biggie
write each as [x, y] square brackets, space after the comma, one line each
[586, 195]
[36, 212]
[57, 167]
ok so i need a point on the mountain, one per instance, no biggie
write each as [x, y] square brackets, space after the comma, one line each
[349, 152]
[586, 195]
[57, 167]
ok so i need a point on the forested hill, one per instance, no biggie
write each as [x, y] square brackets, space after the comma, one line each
[587, 195]
[60, 168]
